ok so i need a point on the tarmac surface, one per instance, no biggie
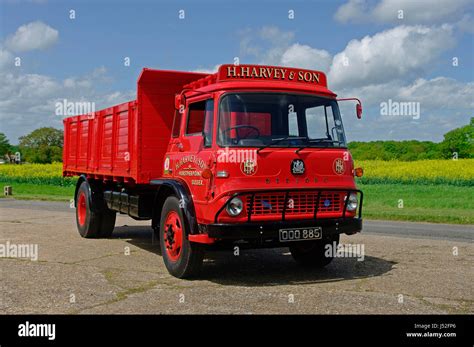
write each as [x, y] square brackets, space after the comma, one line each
[414, 268]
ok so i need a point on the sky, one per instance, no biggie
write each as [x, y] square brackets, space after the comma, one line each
[385, 52]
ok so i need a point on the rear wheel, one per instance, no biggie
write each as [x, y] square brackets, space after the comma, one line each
[314, 253]
[182, 258]
[107, 223]
[92, 222]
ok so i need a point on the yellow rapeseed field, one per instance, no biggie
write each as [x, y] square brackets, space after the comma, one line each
[34, 173]
[458, 172]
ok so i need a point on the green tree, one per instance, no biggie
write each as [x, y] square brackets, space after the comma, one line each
[460, 141]
[43, 145]
[391, 150]
[5, 146]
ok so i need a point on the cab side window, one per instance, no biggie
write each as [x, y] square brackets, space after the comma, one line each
[196, 114]
[177, 123]
[209, 123]
[200, 120]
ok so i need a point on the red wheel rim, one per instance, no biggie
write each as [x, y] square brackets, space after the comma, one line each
[82, 208]
[173, 235]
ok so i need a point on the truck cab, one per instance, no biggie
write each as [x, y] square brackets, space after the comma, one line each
[266, 160]
[251, 155]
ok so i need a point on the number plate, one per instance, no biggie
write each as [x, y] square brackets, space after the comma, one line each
[300, 234]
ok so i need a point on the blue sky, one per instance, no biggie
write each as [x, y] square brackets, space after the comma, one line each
[82, 58]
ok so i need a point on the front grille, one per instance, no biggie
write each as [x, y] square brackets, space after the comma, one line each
[298, 203]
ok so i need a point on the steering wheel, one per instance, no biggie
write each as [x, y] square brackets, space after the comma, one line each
[237, 127]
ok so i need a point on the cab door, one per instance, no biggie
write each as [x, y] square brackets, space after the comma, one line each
[195, 148]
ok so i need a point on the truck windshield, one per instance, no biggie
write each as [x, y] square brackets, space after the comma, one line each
[279, 120]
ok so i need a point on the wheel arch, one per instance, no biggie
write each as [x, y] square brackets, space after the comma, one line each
[169, 187]
[81, 179]
[95, 192]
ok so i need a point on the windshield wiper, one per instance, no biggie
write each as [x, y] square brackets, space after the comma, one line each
[313, 141]
[275, 141]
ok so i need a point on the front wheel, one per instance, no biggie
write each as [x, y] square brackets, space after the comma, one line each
[314, 253]
[182, 258]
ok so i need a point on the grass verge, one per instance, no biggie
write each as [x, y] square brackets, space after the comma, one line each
[419, 203]
[405, 202]
[31, 191]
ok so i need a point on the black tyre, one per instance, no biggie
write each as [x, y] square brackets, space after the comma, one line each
[107, 223]
[183, 259]
[88, 221]
[313, 253]
[92, 223]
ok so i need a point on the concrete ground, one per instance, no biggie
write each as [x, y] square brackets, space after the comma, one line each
[402, 272]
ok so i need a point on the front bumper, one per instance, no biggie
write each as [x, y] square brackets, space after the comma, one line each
[270, 230]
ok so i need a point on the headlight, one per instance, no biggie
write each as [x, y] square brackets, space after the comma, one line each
[352, 203]
[235, 207]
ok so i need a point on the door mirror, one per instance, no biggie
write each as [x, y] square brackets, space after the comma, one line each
[359, 111]
[358, 106]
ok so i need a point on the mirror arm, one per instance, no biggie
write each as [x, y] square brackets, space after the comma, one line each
[358, 107]
[353, 99]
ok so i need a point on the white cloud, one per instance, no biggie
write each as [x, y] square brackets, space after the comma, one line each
[466, 24]
[431, 126]
[294, 55]
[272, 46]
[27, 101]
[267, 44]
[6, 59]
[383, 66]
[414, 12]
[304, 56]
[87, 81]
[419, 11]
[208, 70]
[31, 36]
[352, 11]
[396, 53]
[436, 93]
[387, 65]
[401, 52]
[270, 36]
[445, 103]
[440, 92]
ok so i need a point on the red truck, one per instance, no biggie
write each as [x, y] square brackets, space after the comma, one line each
[251, 155]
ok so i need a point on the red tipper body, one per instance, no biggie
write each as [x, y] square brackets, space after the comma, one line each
[127, 142]
[253, 153]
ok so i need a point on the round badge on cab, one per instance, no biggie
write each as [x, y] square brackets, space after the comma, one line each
[339, 166]
[297, 167]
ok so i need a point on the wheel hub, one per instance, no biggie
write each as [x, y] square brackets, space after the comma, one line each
[81, 209]
[173, 235]
[170, 237]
